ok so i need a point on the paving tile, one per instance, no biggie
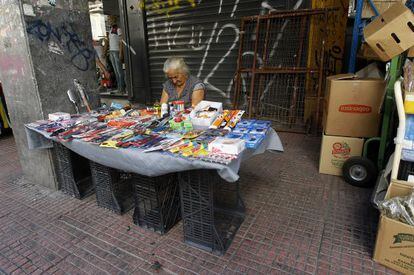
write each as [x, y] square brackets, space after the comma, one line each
[297, 222]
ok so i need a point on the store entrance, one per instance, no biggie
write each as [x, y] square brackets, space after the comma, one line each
[108, 42]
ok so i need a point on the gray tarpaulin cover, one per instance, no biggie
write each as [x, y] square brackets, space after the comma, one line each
[150, 164]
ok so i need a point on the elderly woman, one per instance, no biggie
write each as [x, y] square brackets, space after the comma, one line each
[180, 84]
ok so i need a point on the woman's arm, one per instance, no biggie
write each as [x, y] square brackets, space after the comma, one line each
[198, 95]
[164, 97]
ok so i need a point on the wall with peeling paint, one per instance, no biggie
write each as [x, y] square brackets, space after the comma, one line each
[44, 45]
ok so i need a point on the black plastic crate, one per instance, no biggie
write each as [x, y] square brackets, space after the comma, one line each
[157, 202]
[406, 170]
[212, 210]
[113, 188]
[73, 172]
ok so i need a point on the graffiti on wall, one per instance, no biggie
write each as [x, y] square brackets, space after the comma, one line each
[206, 39]
[165, 7]
[62, 39]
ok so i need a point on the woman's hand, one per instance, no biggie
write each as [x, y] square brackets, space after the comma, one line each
[164, 97]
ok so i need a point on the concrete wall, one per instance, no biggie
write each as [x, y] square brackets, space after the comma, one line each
[44, 45]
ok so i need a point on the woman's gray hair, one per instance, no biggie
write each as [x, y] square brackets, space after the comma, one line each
[176, 63]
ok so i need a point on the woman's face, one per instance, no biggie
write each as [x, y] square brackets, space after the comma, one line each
[177, 78]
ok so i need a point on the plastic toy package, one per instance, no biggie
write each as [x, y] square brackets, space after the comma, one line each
[253, 141]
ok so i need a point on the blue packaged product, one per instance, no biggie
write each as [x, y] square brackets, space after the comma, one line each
[116, 106]
[259, 131]
[246, 123]
[235, 135]
[241, 130]
[253, 141]
[262, 123]
[409, 127]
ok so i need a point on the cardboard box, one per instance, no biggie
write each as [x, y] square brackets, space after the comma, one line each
[232, 146]
[381, 5]
[352, 105]
[367, 53]
[410, 52]
[391, 33]
[399, 188]
[335, 151]
[394, 247]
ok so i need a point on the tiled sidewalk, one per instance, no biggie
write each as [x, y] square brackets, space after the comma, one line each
[298, 222]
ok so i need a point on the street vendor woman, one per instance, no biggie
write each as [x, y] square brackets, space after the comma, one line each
[180, 84]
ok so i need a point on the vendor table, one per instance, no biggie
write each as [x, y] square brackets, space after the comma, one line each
[211, 206]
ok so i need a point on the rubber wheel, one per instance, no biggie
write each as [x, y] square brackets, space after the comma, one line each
[360, 172]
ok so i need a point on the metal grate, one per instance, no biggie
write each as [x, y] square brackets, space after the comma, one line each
[276, 79]
[280, 44]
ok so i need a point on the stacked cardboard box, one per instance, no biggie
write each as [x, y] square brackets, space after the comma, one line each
[394, 247]
[352, 113]
[380, 5]
[392, 32]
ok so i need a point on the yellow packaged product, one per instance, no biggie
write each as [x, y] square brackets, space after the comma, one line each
[409, 103]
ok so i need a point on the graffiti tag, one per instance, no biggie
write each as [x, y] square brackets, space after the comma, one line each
[165, 7]
[65, 36]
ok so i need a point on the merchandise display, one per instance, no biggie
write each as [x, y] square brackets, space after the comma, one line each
[59, 116]
[251, 131]
[154, 129]
[205, 113]
[231, 146]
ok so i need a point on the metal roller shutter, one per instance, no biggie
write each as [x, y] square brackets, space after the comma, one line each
[206, 34]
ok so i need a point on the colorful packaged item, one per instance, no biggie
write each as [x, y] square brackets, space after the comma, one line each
[233, 146]
[205, 113]
[235, 135]
[253, 141]
[241, 130]
[179, 105]
[237, 115]
[59, 116]
[262, 123]
[247, 123]
[259, 131]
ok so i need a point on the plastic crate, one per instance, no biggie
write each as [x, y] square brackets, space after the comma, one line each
[113, 188]
[406, 170]
[212, 210]
[73, 172]
[157, 202]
